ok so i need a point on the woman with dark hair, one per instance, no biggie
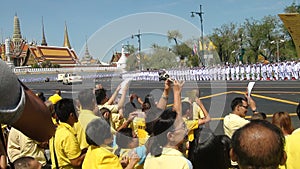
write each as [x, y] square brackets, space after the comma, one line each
[169, 132]
[209, 151]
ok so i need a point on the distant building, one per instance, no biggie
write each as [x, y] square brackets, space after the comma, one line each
[64, 56]
[87, 59]
[16, 50]
[119, 59]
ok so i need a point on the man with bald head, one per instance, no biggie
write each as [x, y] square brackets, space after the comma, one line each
[258, 144]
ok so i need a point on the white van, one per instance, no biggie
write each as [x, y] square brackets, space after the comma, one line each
[60, 77]
[71, 78]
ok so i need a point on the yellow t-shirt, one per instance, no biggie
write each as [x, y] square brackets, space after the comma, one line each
[85, 116]
[54, 98]
[116, 122]
[232, 122]
[197, 112]
[293, 150]
[191, 126]
[100, 157]
[66, 146]
[170, 158]
[19, 145]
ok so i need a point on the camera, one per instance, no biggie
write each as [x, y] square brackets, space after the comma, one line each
[163, 75]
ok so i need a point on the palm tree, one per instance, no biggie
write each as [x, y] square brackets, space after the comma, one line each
[174, 35]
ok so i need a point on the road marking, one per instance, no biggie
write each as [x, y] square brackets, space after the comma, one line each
[214, 95]
[270, 98]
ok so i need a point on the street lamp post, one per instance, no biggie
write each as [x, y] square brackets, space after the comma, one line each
[277, 46]
[138, 35]
[200, 13]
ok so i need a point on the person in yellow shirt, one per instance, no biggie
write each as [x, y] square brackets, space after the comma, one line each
[128, 142]
[99, 155]
[55, 97]
[169, 132]
[64, 147]
[103, 101]
[87, 113]
[191, 123]
[292, 147]
[19, 145]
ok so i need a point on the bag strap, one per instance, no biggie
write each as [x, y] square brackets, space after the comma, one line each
[55, 157]
[5, 149]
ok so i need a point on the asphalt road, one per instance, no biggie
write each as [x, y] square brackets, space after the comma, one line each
[270, 96]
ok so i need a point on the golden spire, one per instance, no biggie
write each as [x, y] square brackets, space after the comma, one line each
[87, 53]
[17, 29]
[66, 38]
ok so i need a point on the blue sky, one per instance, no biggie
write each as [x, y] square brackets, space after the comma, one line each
[108, 24]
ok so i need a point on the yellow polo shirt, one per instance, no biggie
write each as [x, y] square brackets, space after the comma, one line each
[85, 116]
[66, 146]
[100, 157]
[170, 158]
[293, 150]
[116, 122]
[232, 122]
[19, 145]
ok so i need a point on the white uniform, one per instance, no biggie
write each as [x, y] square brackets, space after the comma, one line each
[227, 72]
[237, 72]
[264, 72]
[253, 70]
[270, 71]
[281, 68]
[248, 71]
[258, 74]
[288, 71]
[275, 71]
[232, 72]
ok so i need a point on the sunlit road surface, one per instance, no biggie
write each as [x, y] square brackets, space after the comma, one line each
[270, 96]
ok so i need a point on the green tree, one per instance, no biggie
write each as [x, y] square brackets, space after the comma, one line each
[174, 35]
[293, 8]
[226, 41]
[161, 58]
[258, 36]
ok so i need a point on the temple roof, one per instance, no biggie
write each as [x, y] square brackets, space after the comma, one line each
[56, 55]
[292, 23]
[116, 56]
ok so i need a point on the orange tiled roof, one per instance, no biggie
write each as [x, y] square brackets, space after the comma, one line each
[56, 55]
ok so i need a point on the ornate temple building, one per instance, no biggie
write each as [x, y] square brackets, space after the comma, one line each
[88, 59]
[14, 50]
[119, 59]
[18, 52]
[64, 56]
